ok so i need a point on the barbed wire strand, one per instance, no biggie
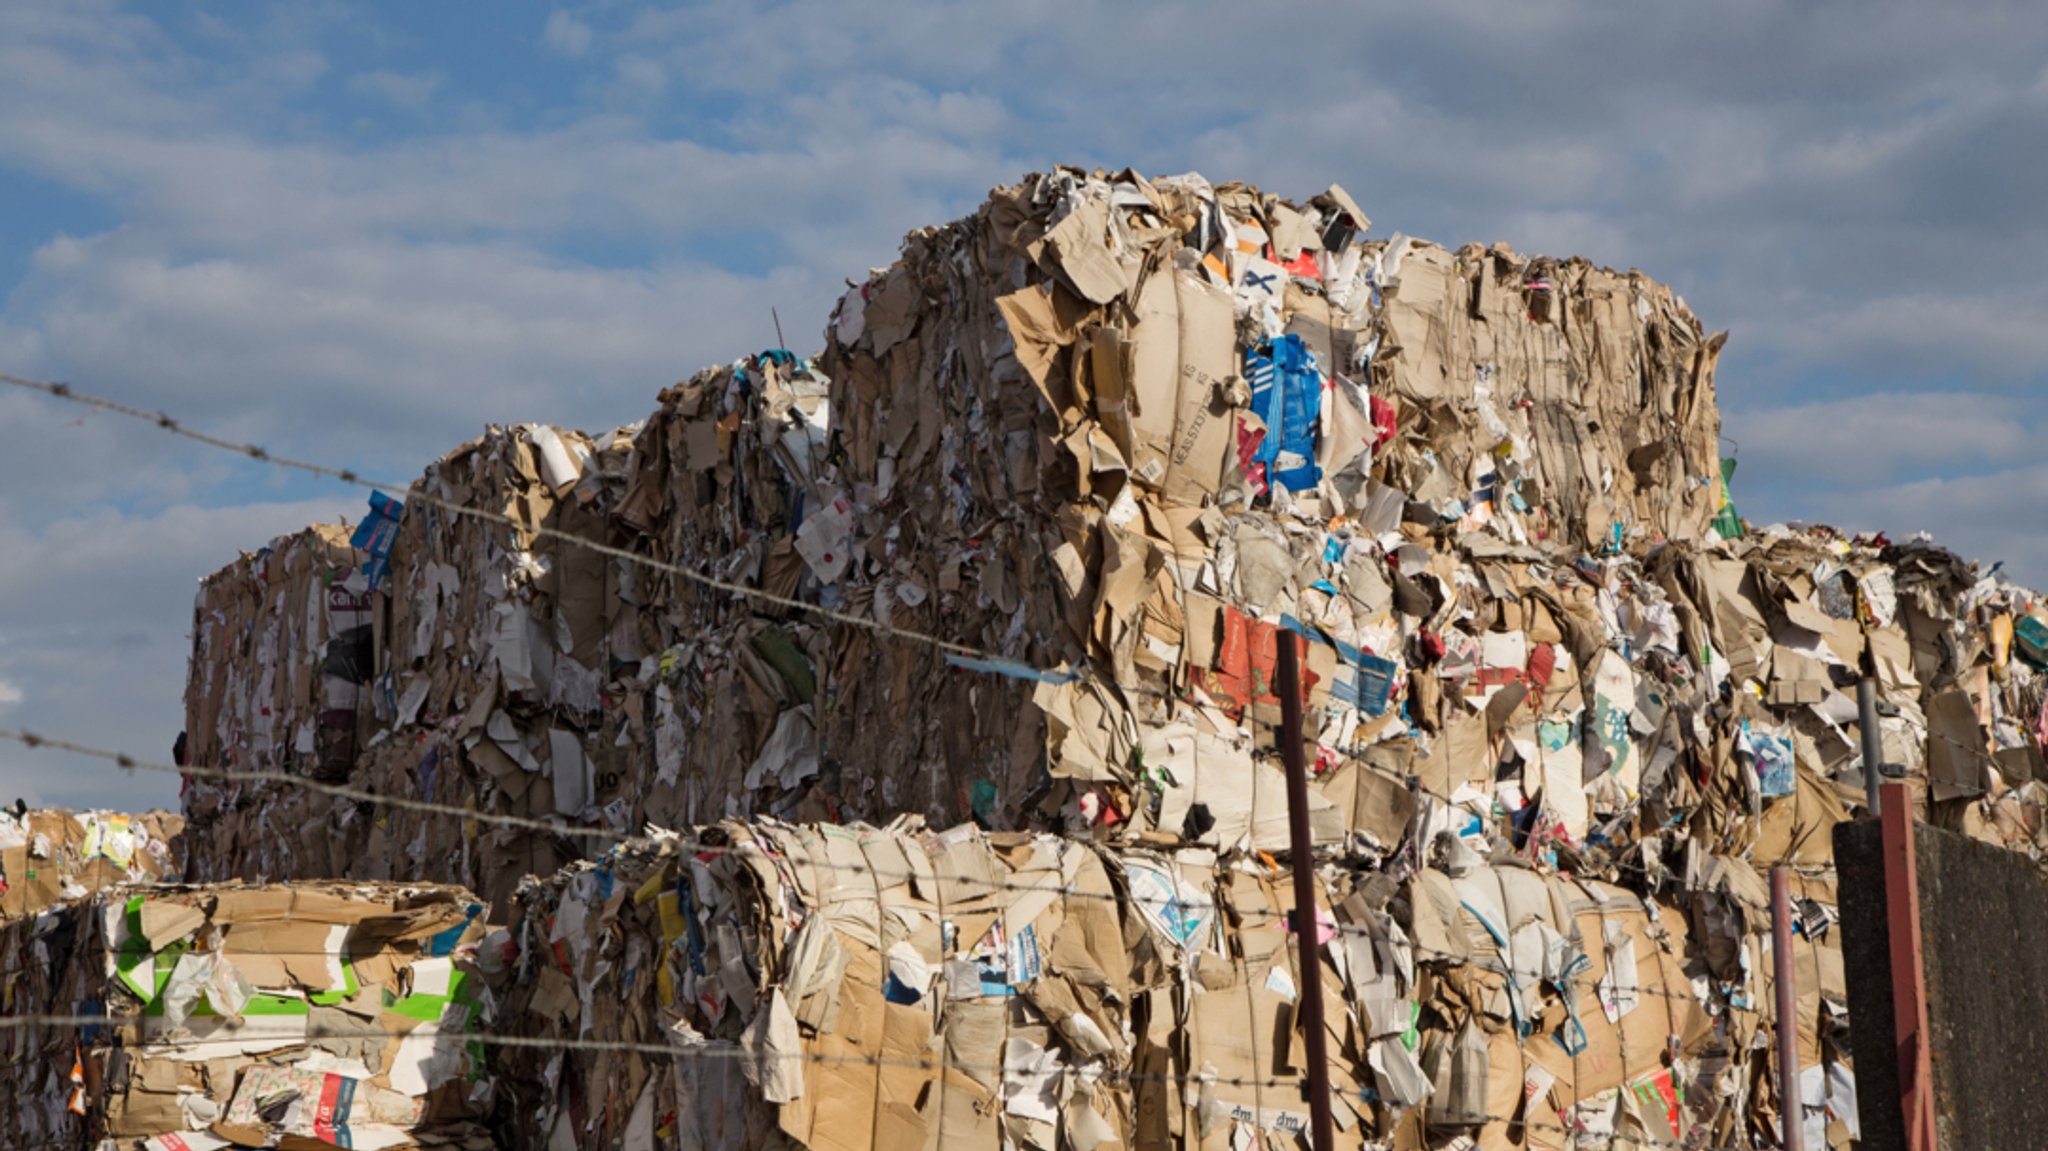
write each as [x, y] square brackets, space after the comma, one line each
[355, 794]
[66, 393]
[165, 422]
[718, 1050]
[715, 1049]
[706, 1049]
[339, 791]
[772, 850]
[767, 846]
[411, 492]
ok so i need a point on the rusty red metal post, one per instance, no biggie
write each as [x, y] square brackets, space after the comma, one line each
[1315, 1045]
[1785, 978]
[1909, 973]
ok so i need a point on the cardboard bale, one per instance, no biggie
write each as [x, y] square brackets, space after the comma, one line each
[281, 641]
[48, 857]
[856, 987]
[499, 667]
[309, 1016]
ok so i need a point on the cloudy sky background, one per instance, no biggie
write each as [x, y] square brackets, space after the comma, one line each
[358, 232]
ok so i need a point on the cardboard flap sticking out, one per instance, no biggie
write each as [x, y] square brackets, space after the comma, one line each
[1080, 245]
[1370, 800]
[2019, 765]
[891, 313]
[282, 953]
[164, 923]
[252, 905]
[1956, 751]
[1207, 354]
[1797, 678]
[150, 1105]
[1039, 332]
[1153, 377]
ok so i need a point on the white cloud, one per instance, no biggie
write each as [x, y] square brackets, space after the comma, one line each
[10, 694]
[399, 89]
[289, 71]
[1882, 436]
[1765, 174]
[566, 34]
[1996, 330]
[641, 78]
[381, 355]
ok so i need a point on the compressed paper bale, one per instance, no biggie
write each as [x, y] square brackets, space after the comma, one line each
[159, 1069]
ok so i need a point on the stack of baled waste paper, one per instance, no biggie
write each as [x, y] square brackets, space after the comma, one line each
[1503, 547]
[309, 1016]
[1018, 550]
[852, 987]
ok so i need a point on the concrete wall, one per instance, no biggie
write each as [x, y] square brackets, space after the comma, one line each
[1984, 934]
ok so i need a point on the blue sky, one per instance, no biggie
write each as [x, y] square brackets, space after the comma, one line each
[359, 232]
